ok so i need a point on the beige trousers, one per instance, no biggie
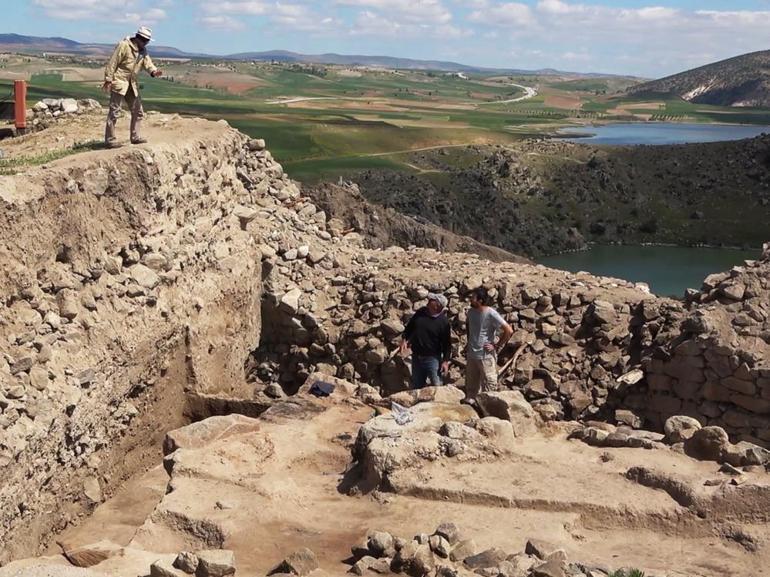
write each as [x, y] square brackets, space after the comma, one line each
[480, 375]
[134, 103]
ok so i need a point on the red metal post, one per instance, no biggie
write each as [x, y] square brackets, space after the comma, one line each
[20, 108]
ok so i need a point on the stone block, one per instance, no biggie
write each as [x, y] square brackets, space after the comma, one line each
[626, 417]
[509, 406]
[300, 563]
[215, 563]
[165, 569]
[739, 385]
[462, 550]
[450, 532]
[665, 404]
[679, 368]
[690, 347]
[753, 404]
[686, 389]
[488, 558]
[715, 392]
[658, 382]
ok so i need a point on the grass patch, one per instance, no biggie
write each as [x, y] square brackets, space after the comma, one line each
[627, 573]
[313, 171]
[14, 165]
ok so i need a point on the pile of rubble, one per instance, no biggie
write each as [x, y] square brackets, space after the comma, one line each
[682, 433]
[206, 563]
[448, 552]
[51, 109]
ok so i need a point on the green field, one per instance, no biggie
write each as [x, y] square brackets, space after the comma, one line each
[322, 122]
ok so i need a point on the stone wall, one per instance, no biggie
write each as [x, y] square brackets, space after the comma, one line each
[585, 347]
[127, 281]
[713, 363]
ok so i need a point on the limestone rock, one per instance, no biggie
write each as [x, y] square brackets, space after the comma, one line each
[680, 428]
[487, 558]
[380, 544]
[300, 563]
[707, 444]
[187, 562]
[510, 406]
[144, 276]
[463, 549]
[204, 432]
[163, 568]
[449, 531]
[215, 563]
[539, 548]
[290, 301]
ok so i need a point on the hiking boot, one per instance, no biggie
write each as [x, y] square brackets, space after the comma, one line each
[112, 144]
[138, 141]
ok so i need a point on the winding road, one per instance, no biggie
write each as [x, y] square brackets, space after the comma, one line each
[529, 92]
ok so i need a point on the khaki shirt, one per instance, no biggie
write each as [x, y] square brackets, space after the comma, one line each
[125, 65]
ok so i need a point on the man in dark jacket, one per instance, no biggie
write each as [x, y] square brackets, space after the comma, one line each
[427, 333]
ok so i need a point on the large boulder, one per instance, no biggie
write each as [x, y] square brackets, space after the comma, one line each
[707, 444]
[69, 105]
[510, 406]
[215, 563]
[202, 433]
[443, 394]
[301, 563]
[680, 428]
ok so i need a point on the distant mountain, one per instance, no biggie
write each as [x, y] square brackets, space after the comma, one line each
[359, 60]
[36, 45]
[739, 81]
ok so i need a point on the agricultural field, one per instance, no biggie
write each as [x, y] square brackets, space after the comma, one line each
[322, 122]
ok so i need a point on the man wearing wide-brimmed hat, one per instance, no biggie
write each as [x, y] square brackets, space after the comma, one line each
[128, 59]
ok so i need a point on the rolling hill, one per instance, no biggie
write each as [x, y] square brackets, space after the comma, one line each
[37, 45]
[740, 81]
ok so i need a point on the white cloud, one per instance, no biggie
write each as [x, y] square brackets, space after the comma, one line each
[244, 7]
[505, 15]
[429, 12]
[225, 23]
[119, 11]
[655, 38]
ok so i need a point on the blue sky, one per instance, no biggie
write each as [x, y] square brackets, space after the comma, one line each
[642, 37]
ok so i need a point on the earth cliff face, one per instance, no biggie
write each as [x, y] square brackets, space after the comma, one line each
[543, 197]
[149, 286]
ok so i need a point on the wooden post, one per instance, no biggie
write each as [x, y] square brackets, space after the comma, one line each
[20, 108]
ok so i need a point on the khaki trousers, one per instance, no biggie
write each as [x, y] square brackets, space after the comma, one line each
[480, 375]
[134, 103]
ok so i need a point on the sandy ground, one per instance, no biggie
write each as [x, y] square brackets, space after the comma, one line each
[157, 128]
[278, 489]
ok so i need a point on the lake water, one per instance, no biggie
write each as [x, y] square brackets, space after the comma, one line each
[661, 133]
[668, 270]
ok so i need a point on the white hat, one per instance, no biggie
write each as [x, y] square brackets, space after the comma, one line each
[439, 298]
[145, 33]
